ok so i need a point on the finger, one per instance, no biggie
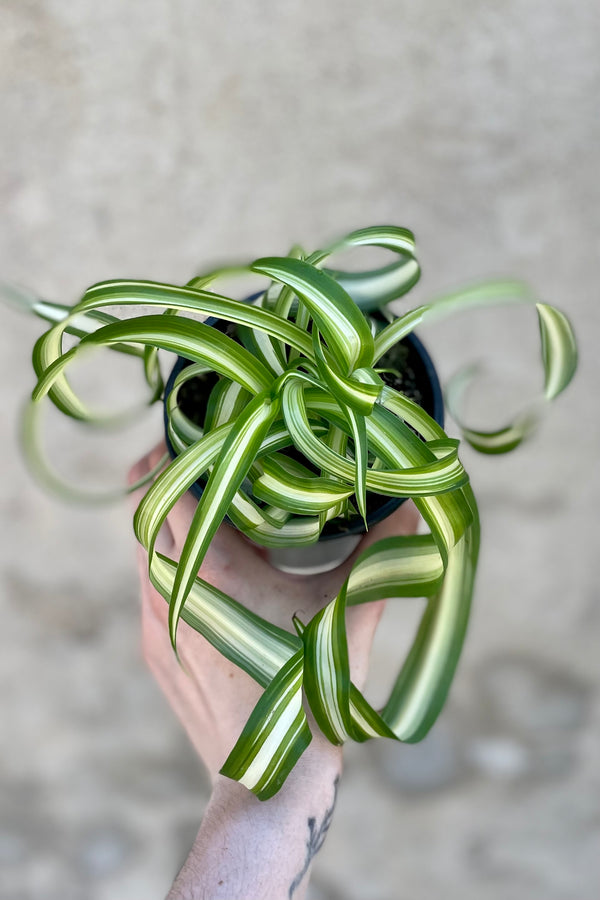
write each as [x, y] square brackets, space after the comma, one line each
[363, 620]
[153, 603]
[156, 648]
[180, 517]
[361, 625]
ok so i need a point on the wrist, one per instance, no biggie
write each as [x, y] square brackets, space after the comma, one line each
[316, 770]
[252, 848]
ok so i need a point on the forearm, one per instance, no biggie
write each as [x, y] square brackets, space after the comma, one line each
[248, 849]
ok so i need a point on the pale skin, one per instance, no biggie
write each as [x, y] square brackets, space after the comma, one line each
[248, 849]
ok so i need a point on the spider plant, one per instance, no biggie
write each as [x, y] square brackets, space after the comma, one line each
[300, 427]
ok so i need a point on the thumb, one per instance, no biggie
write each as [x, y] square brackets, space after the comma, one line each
[361, 625]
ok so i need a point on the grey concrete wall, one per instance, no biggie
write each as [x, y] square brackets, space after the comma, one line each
[149, 139]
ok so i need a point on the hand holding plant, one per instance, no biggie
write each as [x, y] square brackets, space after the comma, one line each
[212, 697]
[270, 847]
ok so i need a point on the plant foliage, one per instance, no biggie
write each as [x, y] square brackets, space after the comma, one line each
[303, 374]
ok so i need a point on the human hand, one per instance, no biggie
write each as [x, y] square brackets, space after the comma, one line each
[211, 696]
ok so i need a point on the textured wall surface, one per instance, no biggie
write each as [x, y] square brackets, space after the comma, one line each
[150, 139]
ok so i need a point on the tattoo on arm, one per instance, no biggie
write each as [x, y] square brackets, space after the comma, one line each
[316, 836]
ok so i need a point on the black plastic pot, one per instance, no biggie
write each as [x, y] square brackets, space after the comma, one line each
[346, 533]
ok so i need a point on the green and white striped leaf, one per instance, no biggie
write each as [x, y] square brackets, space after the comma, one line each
[327, 670]
[487, 293]
[225, 403]
[27, 300]
[389, 237]
[502, 440]
[401, 566]
[373, 289]
[51, 480]
[173, 483]
[432, 477]
[448, 514]
[361, 451]
[257, 646]
[404, 325]
[181, 431]
[559, 356]
[263, 347]
[425, 678]
[47, 357]
[338, 318]
[337, 440]
[230, 469]
[246, 515]
[193, 340]
[275, 736]
[304, 496]
[411, 413]
[349, 392]
[299, 531]
[443, 472]
[559, 350]
[186, 299]
[187, 338]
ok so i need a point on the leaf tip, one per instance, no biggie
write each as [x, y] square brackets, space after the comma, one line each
[298, 625]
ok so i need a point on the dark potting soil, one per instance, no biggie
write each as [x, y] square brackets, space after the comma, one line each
[193, 396]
